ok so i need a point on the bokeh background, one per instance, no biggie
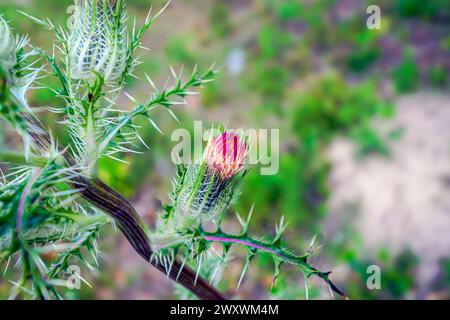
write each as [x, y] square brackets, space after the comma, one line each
[364, 119]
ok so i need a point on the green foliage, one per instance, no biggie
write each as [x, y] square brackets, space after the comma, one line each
[332, 107]
[266, 76]
[177, 50]
[438, 77]
[328, 109]
[396, 281]
[360, 60]
[289, 10]
[406, 76]
[220, 19]
[422, 9]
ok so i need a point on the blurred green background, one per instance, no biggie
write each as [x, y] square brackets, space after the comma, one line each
[364, 132]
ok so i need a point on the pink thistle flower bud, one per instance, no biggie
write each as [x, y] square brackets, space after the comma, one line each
[226, 155]
[205, 190]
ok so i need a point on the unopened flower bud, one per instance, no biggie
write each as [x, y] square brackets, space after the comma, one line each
[226, 155]
[207, 188]
[97, 42]
[7, 46]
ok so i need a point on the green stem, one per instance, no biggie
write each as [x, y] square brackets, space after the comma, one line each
[258, 245]
[275, 250]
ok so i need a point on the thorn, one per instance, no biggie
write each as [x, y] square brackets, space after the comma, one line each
[198, 268]
[216, 270]
[242, 223]
[250, 213]
[279, 229]
[306, 286]
[149, 14]
[226, 248]
[155, 126]
[181, 72]
[311, 243]
[242, 275]
[278, 264]
[174, 74]
[173, 115]
[150, 81]
[246, 266]
[130, 97]
[142, 141]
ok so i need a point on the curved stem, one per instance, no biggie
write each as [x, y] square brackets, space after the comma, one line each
[134, 229]
[129, 222]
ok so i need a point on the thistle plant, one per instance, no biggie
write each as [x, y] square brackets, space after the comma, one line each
[203, 192]
[52, 203]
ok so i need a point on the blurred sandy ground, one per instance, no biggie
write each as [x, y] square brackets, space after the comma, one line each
[402, 201]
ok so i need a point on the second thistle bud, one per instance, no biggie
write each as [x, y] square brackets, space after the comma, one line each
[98, 40]
[207, 188]
[7, 46]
